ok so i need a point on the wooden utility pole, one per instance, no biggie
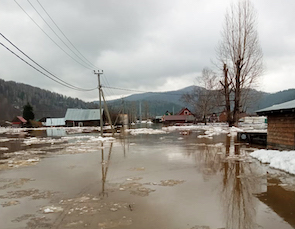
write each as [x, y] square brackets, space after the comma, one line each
[107, 113]
[100, 109]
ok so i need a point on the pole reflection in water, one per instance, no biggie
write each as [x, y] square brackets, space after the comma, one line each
[124, 140]
[104, 167]
[238, 186]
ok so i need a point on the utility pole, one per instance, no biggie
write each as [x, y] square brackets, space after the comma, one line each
[140, 118]
[100, 110]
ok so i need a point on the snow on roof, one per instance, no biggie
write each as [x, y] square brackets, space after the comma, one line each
[82, 114]
[55, 122]
[278, 107]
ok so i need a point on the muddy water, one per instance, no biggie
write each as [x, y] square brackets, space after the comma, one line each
[144, 181]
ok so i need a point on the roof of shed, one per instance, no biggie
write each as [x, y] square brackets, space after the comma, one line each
[278, 107]
[82, 114]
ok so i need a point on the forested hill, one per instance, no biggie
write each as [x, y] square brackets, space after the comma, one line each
[13, 96]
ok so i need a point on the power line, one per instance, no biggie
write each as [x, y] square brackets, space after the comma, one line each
[57, 34]
[105, 80]
[133, 90]
[50, 37]
[44, 68]
[55, 77]
[66, 36]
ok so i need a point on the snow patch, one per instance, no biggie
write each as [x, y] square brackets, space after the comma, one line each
[145, 131]
[283, 160]
[51, 209]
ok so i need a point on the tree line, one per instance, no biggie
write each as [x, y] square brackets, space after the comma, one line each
[14, 96]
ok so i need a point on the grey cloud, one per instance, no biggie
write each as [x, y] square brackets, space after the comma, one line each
[138, 44]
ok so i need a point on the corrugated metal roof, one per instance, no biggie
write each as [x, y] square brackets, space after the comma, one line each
[282, 106]
[82, 114]
[55, 122]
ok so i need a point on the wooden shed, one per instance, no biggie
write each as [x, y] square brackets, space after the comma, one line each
[82, 117]
[19, 121]
[281, 125]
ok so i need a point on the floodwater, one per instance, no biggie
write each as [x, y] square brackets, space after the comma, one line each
[165, 181]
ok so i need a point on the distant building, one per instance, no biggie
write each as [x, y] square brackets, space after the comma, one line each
[281, 125]
[183, 116]
[223, 116]
[158, 119]
[54, 122]
[212, 117]
[19, 121]
[82, 117]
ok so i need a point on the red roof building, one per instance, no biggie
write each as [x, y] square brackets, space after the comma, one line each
[19, 121]
[183, 116]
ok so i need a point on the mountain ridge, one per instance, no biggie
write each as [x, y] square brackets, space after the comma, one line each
[13, 96]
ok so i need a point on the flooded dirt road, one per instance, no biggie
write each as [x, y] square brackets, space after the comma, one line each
[175, 180]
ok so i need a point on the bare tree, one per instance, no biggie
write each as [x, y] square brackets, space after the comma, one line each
[203, 98]
[240, 52]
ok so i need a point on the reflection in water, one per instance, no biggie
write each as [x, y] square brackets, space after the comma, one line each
[124, 140]
[240, 180]
[238, 186]
[105, 161]
[105, 167]
[52, 132]
[282, 201]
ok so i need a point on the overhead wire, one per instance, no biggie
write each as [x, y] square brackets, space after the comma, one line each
[51, 38]
[52, 77]
[58, 35]
[85, 59]
[32, 65]
[105, 80]
[133, 90]
[66, 36]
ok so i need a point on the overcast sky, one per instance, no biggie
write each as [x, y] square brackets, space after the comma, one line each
[147, 45]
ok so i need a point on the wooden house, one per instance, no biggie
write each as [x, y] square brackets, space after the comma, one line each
[281, 125]
[82, 117]
[19, 121]
[183, 116]
[222, 117]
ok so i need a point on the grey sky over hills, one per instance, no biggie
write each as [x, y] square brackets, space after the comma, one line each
[141, 45]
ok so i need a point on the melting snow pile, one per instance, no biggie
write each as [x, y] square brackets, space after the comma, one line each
[283, 160]
[51, 209]
[210, 129]
[145, 131]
